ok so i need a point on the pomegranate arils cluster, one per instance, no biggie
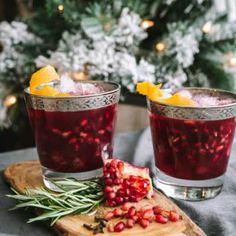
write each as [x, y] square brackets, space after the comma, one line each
[144, 217]
[125, 182]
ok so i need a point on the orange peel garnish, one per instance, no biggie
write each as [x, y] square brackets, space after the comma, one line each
[177, 100]
[148, 88]
[43, 76]
[154, 93]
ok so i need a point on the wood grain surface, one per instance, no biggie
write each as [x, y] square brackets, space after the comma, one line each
[27, 174]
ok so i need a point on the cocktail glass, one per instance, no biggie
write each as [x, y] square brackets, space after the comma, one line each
[73, 134]
[192, 145]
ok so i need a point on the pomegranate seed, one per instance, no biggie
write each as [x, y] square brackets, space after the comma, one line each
[108, 189]
[126, 206]
[110, 228]
[107, 165]
[109, 182]
[117, 181]
[135, 218]
[161, 219]
[118, 212]
[111, 195]
[119, 199]
[119, 226]
[131, 212]
[113, 164]
[109, 215]
[157, 210]
[120, 165]
[130, 223]
[112, 169]
[173, 216]
[144, 223]
[148, 215]
[145, 208]
[111, 203]
[106, 174]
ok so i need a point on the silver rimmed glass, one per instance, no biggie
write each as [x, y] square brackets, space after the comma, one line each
[74, 134]
[192, 145]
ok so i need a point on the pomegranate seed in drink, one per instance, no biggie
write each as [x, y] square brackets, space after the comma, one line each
[119, 226]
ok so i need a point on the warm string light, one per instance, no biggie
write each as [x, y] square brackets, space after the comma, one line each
[147, 24]
[160, 47]
[232, 62]
[60, 8]
[207, 27]
[9, 100]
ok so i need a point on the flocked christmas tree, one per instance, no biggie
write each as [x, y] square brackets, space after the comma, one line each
[174, 42]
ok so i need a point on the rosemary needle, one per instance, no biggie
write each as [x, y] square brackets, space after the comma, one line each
[74, 197]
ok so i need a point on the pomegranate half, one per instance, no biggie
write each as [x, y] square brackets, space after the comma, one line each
[125, 182]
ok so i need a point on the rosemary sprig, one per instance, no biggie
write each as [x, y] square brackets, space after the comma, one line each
[74, 197]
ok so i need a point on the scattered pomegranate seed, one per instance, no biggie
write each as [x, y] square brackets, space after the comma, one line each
[130, 223]
[109, 215]
[157, 210]
[148, 215]
[126, 206]
[119, 226]
[161, 219]
[144, 223]
[173, 216]
[145, 208]
[118, 212]
[131, 212]
[110, 228]
[135, 218]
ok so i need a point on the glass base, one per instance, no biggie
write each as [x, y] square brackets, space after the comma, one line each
[49, 176]
[190, 190]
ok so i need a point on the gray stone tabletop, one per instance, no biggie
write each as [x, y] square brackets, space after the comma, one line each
[216, 216]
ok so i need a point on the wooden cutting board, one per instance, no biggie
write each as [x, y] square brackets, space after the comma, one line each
[27, 174]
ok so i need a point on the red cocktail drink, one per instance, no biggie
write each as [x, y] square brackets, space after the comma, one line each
[192, 149]
[192, 145]
[73, 141]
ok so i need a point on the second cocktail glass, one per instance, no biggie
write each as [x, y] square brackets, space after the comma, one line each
[192, 145]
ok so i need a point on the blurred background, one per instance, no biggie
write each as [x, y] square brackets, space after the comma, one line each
[173, 42]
